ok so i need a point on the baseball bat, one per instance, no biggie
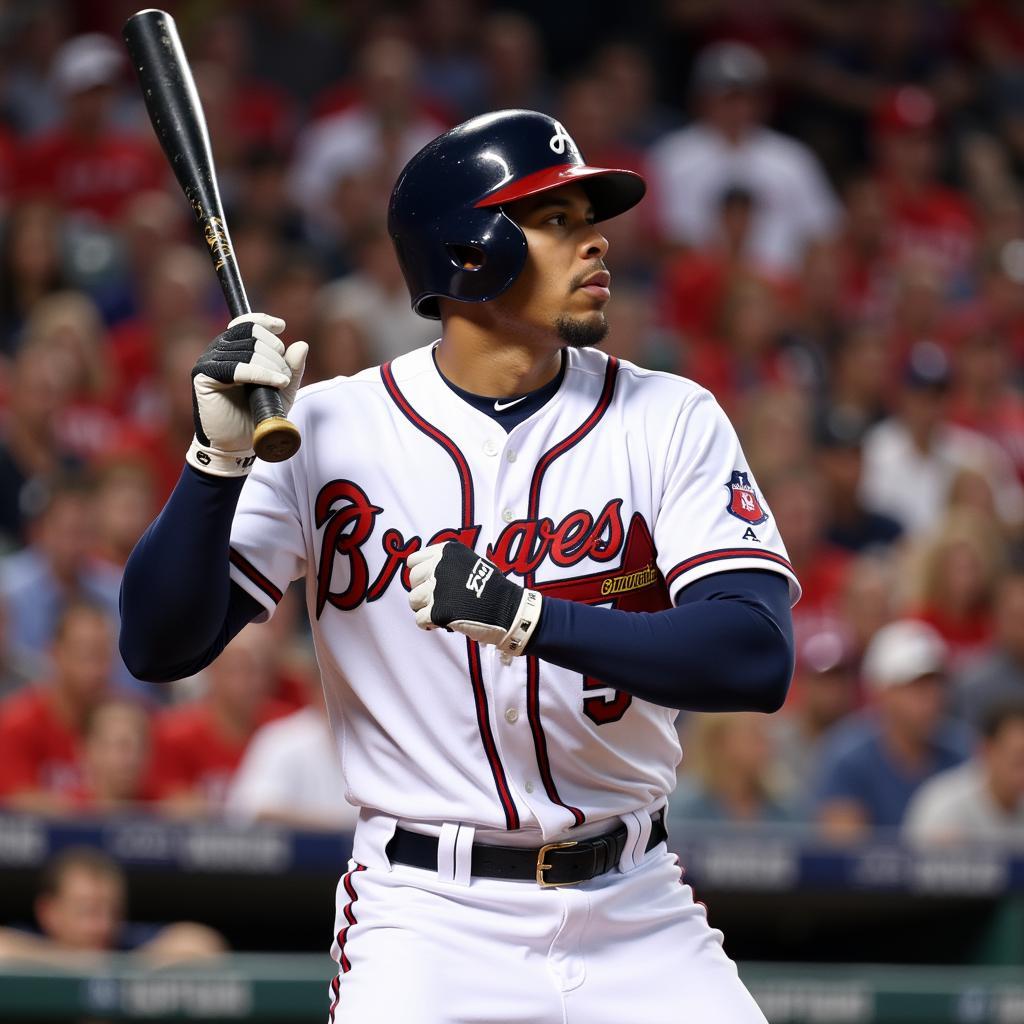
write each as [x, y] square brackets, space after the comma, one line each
[177, 117]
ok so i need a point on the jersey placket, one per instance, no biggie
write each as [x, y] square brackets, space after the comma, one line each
[506, 676]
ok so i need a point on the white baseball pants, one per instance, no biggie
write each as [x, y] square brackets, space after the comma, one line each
[622, 948]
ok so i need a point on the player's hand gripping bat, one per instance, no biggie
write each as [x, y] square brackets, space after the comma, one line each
[177, 117]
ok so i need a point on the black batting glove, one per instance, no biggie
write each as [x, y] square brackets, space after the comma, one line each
[454, 588]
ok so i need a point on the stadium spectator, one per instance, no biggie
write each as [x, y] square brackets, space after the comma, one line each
[452, 71]
[866, 283]
[125, 505]
[291, 47]
[67, 325]
[292, 287]
[198, 746]
[923, 216]
[175, 294]
[55, 569]
[14, 673]
[998, 676]
[32, 265]
[32, 455]
[86, 164]
[513, 59]
[871, 766]
[746, 351]
[37, 31]
[115, 759]
[80, 908]
[291, 772]
[638, 113]
[730, 146]
[954, 581]
[728, 773]
[774, 426]
[169, 416]
[981, 801]
[860, 375]
[42, 726]
[851, 526]
[375, 298]
[870, 598]
[696, 280]
[823, 692]
[377, 133]
[912, 457]
[984, 398]
[338, 346]
[797, 500]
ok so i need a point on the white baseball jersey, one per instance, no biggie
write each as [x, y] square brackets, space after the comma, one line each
[624, 488]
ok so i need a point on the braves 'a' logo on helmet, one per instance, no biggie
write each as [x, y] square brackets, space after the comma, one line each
[743, 500]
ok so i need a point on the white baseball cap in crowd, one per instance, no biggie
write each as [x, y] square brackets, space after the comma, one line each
[86, 61]
[901, 652]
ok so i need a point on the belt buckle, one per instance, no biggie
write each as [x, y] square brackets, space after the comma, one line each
[542, 867]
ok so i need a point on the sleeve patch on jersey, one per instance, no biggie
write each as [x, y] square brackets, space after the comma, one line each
[743, 500]
[251, 573]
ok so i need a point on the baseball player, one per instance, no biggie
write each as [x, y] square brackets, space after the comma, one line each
[585, 552]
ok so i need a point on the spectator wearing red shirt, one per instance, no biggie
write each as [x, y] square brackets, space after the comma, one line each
[798, 502]
[68, 325]
[174, 294]
[41, 726]
[695, 281]
[983, 399]
[199, 745]
[923, 215]
[86, 165]
[115, 759]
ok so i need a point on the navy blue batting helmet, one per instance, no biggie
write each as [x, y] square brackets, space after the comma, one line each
[451, 234]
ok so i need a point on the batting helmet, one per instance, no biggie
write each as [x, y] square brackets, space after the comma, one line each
[451, 234]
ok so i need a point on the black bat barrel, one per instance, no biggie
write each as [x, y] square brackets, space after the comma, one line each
[177, 116]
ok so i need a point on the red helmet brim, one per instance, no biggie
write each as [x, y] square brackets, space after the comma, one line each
[612, 191]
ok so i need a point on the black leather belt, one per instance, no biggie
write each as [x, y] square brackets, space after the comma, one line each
[553, 864]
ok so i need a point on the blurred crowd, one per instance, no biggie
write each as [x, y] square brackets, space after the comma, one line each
[833, 243]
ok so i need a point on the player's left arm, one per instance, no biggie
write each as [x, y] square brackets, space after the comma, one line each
[726, 646]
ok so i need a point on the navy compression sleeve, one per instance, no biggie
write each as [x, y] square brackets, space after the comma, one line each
[726, 646]
[179, 607]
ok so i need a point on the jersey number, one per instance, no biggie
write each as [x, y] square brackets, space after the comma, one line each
[604, 709]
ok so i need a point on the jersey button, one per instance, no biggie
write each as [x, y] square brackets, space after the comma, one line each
[510, 455]
[528, 787]
[508, 515]
[490, 448]
[512, 716]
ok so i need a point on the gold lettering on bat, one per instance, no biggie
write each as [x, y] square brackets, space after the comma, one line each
[217, 239]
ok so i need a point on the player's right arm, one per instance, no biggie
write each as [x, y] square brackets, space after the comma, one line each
[179, 607]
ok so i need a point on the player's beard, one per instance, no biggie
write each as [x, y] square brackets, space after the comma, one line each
[578, 333]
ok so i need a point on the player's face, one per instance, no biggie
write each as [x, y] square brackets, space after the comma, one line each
[564, 285]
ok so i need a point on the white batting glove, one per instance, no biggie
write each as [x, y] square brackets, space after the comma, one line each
[248, 352]
[455, 588]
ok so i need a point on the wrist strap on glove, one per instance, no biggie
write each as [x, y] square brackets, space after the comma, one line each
[208, 459]
[527, 616]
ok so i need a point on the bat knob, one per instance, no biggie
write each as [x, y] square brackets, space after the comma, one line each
[276, 439]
